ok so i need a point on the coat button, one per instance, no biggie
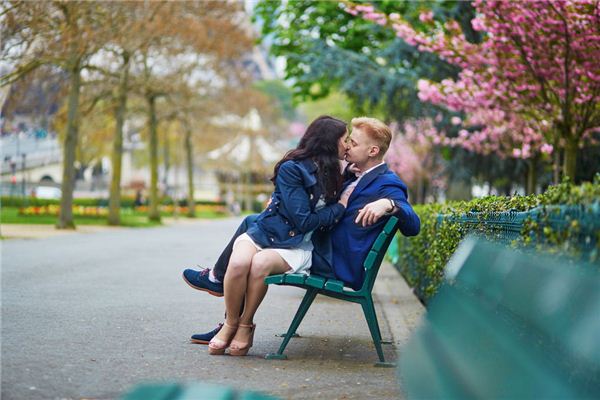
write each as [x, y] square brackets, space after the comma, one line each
[272, 239]
[292, 233]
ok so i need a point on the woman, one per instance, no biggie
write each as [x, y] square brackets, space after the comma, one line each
[307, 185]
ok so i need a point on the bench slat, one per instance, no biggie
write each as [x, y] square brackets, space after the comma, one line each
[334, 285]
[154, 391]
[378, 245]
[275, 279]
[315, 281]
[295, 279]
[390, 226]
[206, 391]
[371, 259]
[256, 396]
[191, 391]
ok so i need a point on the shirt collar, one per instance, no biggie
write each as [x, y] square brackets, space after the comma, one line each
[369, 170]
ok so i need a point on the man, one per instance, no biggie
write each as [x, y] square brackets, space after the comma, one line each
[372, 196]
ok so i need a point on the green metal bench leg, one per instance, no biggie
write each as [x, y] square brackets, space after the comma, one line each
[304, 306]
[371, 317]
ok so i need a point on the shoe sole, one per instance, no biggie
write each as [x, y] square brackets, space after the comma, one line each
[199, 341]
[239, 353]
[216, 294]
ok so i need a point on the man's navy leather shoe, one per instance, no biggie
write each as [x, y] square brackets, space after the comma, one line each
[204, 338]
[199, 280]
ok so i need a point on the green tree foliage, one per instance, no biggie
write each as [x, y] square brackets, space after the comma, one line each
[279, 92]
[328, 49]
[336, 104]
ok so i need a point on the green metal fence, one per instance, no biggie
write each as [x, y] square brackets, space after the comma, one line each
[569, 231]
[575, 228]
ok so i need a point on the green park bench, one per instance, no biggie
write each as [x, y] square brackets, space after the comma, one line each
[507, 324]
[192, 391]
[314, 284]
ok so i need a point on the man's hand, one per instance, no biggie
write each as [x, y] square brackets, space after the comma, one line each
[371, 212]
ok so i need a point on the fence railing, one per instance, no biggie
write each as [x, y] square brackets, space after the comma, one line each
[569, 231]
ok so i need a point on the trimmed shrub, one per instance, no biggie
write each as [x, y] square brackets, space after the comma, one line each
[564, 220]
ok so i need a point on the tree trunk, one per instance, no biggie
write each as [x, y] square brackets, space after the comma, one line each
[556, 165]
[570, 161]
[65, 218]
[167, 165]
[420, 191]
[153, 213]
[114, 201]
[190, 172]
[531, 175]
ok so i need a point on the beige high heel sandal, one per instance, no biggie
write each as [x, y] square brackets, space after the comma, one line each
[236, 350]
[216, 346]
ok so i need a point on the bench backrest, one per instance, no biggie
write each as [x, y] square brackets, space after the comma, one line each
[508, 324]
[377, 253]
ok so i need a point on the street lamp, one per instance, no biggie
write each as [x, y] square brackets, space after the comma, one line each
[13, 174]
[23, 174]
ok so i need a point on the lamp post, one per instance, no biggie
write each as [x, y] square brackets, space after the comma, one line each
[13, 178]
[23, 157]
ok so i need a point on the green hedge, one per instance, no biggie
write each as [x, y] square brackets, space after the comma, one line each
[126, 202]
[565, 220]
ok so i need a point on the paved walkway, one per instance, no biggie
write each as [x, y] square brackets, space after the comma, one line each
[90, 315]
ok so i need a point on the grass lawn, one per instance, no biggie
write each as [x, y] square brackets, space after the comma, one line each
[10, 215]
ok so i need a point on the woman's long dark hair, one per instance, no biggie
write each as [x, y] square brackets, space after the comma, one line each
[320, 143]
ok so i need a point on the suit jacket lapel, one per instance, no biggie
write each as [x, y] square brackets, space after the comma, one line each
[367, 179]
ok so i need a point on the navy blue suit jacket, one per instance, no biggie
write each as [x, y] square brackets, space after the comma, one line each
[348, 243]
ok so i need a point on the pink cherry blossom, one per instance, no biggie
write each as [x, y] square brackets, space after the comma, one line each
[536, 70]
[411, 156]
[426, 16]
[455, 120]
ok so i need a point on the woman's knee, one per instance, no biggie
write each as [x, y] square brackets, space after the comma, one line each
[238, 268]
[261, 265]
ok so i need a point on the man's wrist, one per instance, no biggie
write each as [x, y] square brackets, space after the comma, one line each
[392, 205]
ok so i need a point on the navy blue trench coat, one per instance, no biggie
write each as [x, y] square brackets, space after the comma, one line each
[291, 213]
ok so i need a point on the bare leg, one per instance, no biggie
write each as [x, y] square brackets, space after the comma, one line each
[264, 263]
[236, 280]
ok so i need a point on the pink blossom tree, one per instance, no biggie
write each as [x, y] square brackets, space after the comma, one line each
[537, 67]
[412, 157]
[491, 129]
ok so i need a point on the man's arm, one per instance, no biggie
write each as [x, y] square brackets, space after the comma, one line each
[410, 224]
[374, 210]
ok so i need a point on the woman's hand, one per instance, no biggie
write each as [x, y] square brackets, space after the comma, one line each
[352, 168]
[344, 197]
